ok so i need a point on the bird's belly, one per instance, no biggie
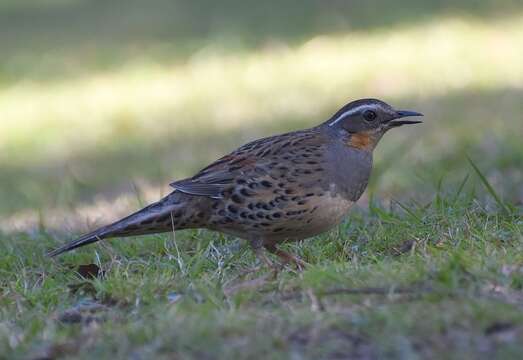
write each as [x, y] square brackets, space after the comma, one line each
[293, 222]
[329, 213]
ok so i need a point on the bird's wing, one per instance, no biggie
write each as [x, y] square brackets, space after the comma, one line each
[251, 161]
[200, 189]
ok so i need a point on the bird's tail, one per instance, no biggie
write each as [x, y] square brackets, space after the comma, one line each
[161, 216]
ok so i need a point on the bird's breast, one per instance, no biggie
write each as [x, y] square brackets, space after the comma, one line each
[349, 170]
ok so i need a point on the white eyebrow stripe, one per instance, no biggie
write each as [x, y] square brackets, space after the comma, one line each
[350, 112]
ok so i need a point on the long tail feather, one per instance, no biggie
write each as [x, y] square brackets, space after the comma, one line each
[155, 218]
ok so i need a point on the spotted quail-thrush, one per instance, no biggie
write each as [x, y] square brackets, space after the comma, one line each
[282, 188]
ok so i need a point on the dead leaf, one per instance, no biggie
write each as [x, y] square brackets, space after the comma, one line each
[498, 327]
[89, 271]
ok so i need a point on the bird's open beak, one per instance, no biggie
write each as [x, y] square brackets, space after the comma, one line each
[403, 114]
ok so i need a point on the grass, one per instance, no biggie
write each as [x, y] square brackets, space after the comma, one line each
[441, 277]
[96, 120]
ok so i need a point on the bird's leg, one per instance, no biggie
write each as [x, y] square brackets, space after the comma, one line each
[257, 247]
[260, 254]
[263, 258]
[286, 257]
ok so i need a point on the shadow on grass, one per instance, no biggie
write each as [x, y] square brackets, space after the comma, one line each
[480, 123]
[104, 34]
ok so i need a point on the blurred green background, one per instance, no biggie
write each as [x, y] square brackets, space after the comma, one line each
[104, 102]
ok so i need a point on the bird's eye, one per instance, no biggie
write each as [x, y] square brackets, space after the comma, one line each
[369, 115]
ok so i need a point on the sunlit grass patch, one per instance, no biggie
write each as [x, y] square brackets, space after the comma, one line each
[157, 121]
[228, 90]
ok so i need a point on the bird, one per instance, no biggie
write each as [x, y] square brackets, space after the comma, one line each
[277, 189]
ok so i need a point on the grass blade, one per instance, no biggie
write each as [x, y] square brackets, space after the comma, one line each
[409, 211]
[489, 187]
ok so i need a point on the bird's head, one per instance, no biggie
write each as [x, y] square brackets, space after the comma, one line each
[366, 120]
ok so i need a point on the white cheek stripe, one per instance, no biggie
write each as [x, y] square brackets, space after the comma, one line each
[349, 112]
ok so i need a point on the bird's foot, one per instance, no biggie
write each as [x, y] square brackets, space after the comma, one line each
[287, 258]
[274, 267]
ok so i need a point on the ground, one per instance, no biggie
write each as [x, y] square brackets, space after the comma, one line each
[104, 103]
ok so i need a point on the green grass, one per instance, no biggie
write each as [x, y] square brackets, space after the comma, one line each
[448, 277]
[104, 103]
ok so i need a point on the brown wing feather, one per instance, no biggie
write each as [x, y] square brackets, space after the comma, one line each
[251, 161]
